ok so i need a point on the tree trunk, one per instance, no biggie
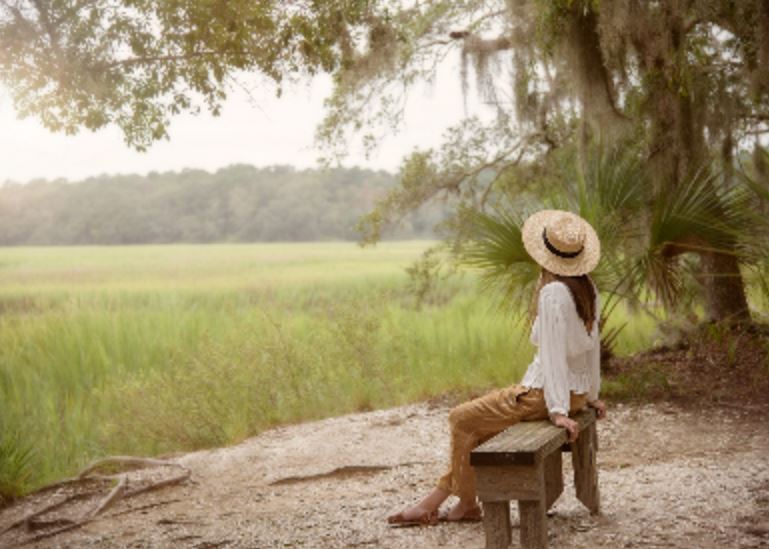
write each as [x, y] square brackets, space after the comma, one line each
[724, 288]
[722, 279]
[679, 150]
[582, 51]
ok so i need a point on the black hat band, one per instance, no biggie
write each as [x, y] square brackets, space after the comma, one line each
[556, 251]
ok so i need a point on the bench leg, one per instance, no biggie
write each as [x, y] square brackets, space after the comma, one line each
[533, 524]
[583, 457]
[496, 524]
[553, 478]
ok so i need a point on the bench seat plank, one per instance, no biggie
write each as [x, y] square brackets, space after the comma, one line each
[526, 443]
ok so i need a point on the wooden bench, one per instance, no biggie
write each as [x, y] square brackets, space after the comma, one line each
[523, 463]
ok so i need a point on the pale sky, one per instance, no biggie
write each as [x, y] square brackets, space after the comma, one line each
[261, 130]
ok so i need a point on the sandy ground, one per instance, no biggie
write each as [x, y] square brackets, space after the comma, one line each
[668, 478]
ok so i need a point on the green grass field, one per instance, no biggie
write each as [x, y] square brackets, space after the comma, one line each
[148, 350]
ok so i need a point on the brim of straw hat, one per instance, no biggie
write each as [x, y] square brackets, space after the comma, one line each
[586, 261]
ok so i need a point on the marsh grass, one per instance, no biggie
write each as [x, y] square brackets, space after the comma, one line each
[150, 350]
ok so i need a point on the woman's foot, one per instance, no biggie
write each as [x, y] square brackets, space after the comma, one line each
[423, 513]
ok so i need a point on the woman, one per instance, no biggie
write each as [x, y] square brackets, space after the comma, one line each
[563, 378]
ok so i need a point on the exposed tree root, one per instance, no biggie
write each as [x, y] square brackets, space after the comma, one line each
[138, 462]
[144, 507]
[52, 533]
[26, 519]
[116, 493]
[119, 492]
[178, 479]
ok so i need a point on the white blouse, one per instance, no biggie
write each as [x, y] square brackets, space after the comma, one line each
[568, 358]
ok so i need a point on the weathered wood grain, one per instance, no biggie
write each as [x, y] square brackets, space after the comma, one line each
[553, 478]
[496, 524]
[533, 524]
[583, 457]
[503, 483]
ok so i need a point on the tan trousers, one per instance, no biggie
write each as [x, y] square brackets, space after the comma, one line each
[474, 422]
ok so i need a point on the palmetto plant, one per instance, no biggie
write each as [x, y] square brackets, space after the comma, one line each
[496, 251]
[754, 174]
[708, 213]
[650, 236]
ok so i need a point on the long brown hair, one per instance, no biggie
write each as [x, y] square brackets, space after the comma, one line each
[582, 292]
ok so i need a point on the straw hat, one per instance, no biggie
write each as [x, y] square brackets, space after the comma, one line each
[561, 242]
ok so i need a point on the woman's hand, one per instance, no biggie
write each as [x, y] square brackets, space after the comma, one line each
[600, 408]
[571, 426]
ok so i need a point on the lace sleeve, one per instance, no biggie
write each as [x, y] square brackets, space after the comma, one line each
[552, 330]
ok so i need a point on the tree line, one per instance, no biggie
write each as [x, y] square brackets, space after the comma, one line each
[680, 89]
[240, 203]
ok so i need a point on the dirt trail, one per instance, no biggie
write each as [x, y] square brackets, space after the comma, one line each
[668, 478]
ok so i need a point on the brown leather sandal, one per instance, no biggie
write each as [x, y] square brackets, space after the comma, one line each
[398, 520]
[472, 515]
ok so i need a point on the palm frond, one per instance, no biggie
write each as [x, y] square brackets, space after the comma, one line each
[646, 234]
[754, 175]
[610, 193]
[706, 214]
[496, 250]
[612, 182]
[755, 180]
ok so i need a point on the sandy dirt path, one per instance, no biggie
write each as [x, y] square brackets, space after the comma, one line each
[668, 478]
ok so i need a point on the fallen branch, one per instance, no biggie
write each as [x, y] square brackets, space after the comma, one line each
[52, 533]
[112, 497]
[120, 491]
[160, 484]
[34, 514]
[117, 493]
[126, 460]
